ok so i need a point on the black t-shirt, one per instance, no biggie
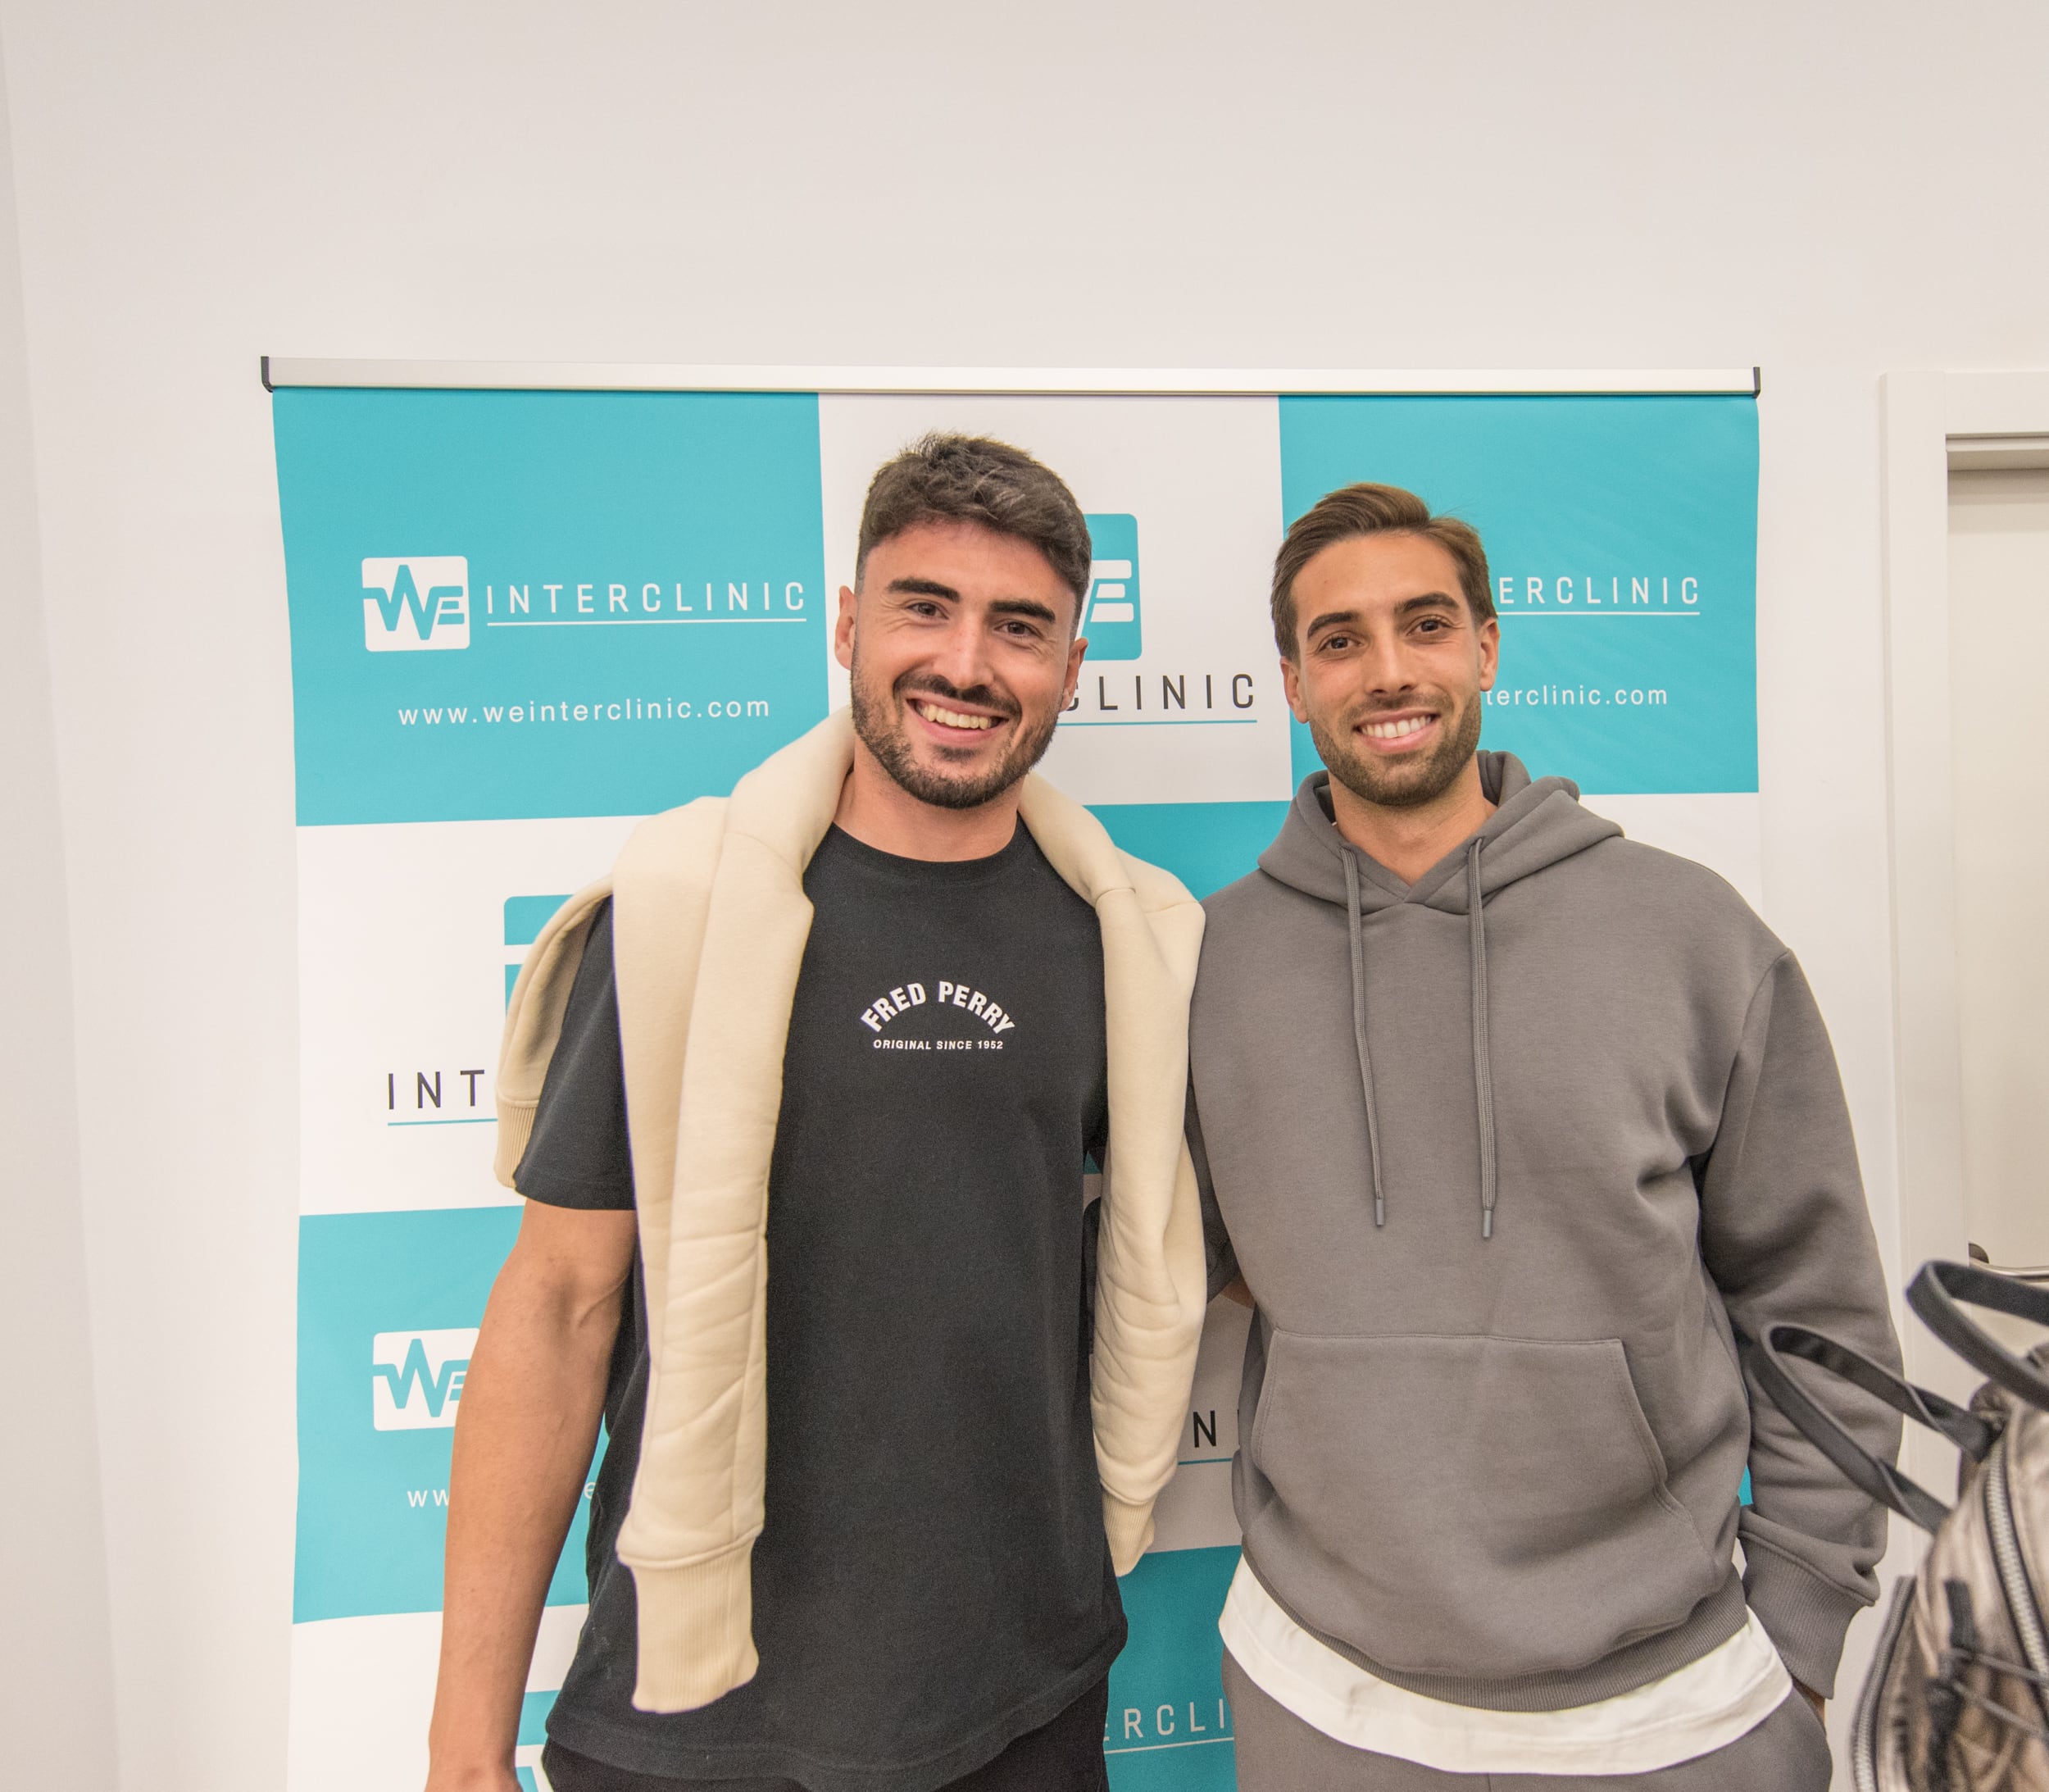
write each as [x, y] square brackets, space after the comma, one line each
[932, 1580]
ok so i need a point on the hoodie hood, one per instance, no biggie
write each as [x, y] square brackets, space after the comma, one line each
[1535, 824]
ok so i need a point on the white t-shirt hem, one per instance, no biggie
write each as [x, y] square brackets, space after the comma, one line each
[1694, 1710]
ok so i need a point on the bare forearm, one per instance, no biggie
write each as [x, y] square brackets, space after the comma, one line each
[528, 1422]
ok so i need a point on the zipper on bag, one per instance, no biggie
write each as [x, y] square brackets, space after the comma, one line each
[2013, 1572]
[1864, 1728]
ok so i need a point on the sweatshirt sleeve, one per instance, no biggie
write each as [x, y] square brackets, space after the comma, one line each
[1786, 1238]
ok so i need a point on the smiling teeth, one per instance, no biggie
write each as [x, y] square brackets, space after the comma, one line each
[1396, 731]
[952, 718]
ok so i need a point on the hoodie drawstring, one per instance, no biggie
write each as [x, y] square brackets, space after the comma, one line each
[1482, 1067]
[1359, 1036]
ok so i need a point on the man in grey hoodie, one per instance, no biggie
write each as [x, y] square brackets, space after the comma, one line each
[1517, 1128]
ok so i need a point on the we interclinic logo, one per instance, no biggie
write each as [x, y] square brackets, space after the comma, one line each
[417, 603]
[1110, 617]
[416, 1378]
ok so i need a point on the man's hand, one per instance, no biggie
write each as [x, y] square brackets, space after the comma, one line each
[524, 1436]
[1814, 1698]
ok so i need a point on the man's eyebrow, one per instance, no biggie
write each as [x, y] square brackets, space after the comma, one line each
[1427, 600]
[924, 587]
[1329, 619]
[1022, 607]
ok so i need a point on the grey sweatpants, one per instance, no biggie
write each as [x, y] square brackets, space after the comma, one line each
[1277, 1752]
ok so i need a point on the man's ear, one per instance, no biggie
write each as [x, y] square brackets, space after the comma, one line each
[843, 627]
[1490, 634]
[1292, 687]
[1077, 651]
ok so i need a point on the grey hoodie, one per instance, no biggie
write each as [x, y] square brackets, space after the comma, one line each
[1502, 1154]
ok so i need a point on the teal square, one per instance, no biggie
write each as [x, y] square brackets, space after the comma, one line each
[1169, 1726]
[373, 1514]
[614, 601]
[533, 1710]
[1622, 536]
[1113, 618]
[1205, 845]
[526, 916]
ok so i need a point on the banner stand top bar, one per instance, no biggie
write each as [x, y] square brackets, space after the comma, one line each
[287, 371]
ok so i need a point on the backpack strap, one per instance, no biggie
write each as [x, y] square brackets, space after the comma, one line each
[1935, 1294]
[1870, 1474]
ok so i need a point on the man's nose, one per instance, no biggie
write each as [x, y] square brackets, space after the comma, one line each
[1385, 667]
[960, 656]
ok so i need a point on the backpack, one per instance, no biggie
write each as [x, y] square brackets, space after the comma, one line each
[1957, 1698]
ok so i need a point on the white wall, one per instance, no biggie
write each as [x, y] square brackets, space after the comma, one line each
[1827, 190]
[56, 1665]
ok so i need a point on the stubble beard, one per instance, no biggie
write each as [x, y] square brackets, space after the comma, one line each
[879, 724]
[1404, 783]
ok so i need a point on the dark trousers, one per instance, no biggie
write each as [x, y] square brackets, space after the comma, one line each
[1064, 1755]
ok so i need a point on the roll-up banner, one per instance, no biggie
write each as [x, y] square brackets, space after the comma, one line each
[530, 605]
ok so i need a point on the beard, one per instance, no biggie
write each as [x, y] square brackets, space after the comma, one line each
[879, 722]
[1402, 783]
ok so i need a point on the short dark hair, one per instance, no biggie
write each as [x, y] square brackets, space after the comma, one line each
[1374, 510]
[973, 478]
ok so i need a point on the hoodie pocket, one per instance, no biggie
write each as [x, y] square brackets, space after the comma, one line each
[1475, 1507]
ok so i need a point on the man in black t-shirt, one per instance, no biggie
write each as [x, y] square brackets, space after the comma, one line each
[933, 1604]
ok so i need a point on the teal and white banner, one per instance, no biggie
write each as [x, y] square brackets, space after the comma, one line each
[520, 620]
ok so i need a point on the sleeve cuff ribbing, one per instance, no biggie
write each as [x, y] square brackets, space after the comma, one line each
[696, 1641]
[1129, 1529]
[515, 1127]
[1805, 1617]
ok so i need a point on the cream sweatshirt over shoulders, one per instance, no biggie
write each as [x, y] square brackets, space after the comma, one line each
[710, 920]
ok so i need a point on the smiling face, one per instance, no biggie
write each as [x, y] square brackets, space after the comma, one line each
[1388, 666]
[961, 646]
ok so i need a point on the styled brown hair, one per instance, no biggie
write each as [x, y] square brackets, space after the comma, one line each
[973, 478]
[1374, 510]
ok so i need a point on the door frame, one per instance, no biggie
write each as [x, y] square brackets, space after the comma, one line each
[1933, 423]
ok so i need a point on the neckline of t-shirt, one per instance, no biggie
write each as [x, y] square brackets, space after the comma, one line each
[1019, 849]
